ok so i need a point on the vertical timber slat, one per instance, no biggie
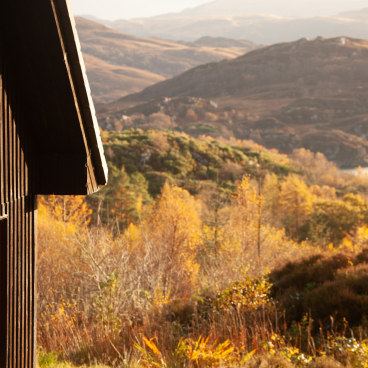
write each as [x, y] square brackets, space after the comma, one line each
[17, 229]
[3, 290]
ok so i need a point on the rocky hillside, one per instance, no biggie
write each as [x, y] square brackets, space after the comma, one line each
[118, 64]
[308, 93]
[305, 68]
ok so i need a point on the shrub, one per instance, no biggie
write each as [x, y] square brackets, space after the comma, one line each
[325, 285]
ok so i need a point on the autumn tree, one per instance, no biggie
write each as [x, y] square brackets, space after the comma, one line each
[324, 192]
[122, 201]
[332, 220]
[271, 195]
[173, 229]
[296, 202]
[245, 214]
[214, 225]
[315, 166]
[191, 115]
[72, 209]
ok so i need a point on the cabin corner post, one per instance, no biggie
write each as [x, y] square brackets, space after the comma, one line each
[35, 295]
[18, 224]
[3, 291]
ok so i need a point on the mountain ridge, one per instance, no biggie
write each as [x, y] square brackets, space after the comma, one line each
[306, 93]
[285, 8]
[259, 28]
[142, 61]
[226, 83]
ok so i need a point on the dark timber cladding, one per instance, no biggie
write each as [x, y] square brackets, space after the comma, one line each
[17, 228]
[49, 144]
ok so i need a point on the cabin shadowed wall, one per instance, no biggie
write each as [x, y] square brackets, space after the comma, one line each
[18, 216]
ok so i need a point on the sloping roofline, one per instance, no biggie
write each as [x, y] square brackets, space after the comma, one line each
[51, 95]
[74, 60]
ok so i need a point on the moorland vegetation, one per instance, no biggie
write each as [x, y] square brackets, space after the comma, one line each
[204, 252]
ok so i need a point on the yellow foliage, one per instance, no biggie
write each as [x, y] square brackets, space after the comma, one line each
[355, 243]
[54, 249]
[132, 232]
[296, 201]
[241, 234]
[201, 353]
[72, 209]
[324, 191]
[173, 227]
[245, 212]
[271, 194]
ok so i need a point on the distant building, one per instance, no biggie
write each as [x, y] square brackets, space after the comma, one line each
[49, 144]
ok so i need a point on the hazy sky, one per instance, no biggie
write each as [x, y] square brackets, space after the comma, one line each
[127, 9]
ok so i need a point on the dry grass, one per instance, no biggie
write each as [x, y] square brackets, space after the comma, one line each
[173, 293]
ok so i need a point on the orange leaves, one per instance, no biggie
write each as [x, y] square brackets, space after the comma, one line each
[196, 353]
[205, 354]
[71, 209]
[152, 358]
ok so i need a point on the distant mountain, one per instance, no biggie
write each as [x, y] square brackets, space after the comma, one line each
[260, 26]
[302, 68]
[356, 14]
[285, 8]
[119, 64]
[307, 93]
[94, 19]
[110, 82]
[221, 42]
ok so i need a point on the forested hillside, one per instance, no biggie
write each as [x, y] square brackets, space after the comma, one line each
[173, 257]
[330, 203]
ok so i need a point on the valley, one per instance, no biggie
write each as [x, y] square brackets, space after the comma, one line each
[119, 64]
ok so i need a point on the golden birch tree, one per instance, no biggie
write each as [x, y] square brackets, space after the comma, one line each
[174, 231]
[296, 202]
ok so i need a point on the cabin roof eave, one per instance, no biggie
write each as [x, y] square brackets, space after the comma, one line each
[70, 39]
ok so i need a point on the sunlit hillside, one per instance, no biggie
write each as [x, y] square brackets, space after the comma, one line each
[169, 265]
[233, 230]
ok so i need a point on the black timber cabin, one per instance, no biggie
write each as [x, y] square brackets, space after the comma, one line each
[49, 144]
